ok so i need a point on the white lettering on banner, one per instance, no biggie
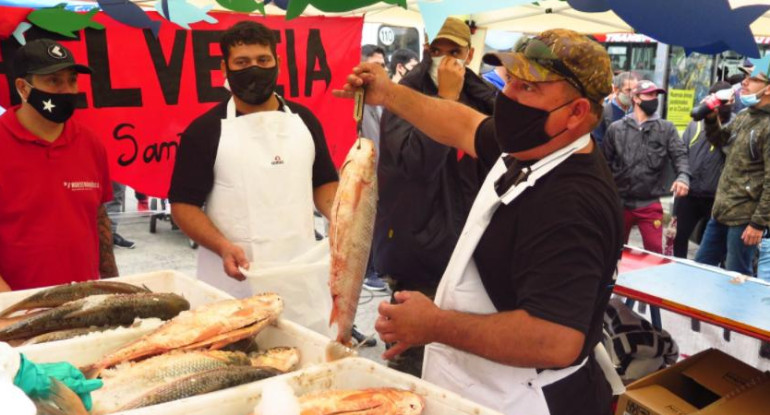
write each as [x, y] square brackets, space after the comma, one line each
[628, 38]
[80, 186]
[762, 40]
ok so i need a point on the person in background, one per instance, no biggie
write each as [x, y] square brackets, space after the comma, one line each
[55, 178]
[741, 211]
[637, 148]
[498, 77]
[425, 188]
[370, 128]
[618, 104]
[259, 164]
[115, 208]
[706, 162]
[402, 61]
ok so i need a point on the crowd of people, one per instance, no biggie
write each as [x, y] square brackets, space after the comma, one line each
[504, 200]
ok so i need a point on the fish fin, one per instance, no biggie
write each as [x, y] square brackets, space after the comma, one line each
[91, 371]
[61, 401]
[295, 8]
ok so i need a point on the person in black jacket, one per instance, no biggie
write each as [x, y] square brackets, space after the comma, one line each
[706, 163]
[637, 148]
[426, 188]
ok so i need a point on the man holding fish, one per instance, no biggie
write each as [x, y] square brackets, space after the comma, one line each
[54, 178]
[519, 309]
[259, 164]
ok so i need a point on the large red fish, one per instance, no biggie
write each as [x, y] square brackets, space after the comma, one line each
[350, 233]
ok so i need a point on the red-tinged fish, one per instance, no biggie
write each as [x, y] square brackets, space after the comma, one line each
[350, 234]
[374, 401]
[213, 325]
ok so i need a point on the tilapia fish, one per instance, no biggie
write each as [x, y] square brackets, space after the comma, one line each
[200, 383]
[350, 234]
[98, 310]
[56, 296]
[212, 326]
[375, 401]
[131, 382]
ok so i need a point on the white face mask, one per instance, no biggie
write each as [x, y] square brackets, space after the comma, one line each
[434, 67]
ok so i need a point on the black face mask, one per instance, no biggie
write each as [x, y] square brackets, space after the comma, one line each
[253, 85]
[649, 107]
[56, 108]
[519, 127]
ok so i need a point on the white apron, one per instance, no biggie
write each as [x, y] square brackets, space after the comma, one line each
[509, 389]
[262, 198]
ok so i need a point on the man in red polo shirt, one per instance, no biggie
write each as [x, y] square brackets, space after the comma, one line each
[53, 179]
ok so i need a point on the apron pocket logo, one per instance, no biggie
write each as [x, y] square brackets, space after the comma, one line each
[276, 161]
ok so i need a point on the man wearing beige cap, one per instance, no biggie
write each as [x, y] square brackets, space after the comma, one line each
[426, 189]
[519, 309]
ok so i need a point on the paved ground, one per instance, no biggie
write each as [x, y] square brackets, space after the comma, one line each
[170, 249]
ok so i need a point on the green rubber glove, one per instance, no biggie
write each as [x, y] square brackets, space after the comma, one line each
[34, 380]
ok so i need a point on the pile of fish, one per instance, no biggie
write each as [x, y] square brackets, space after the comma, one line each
[350, 234]
[72, 310]
[181, 374]
[212, 326]
[373, 401]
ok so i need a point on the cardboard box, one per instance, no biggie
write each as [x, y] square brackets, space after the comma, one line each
[708, 383]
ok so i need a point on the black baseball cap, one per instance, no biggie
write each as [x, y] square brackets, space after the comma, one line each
[43, 57]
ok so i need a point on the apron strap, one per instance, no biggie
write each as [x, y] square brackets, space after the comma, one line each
[543, 167]
[231, 107]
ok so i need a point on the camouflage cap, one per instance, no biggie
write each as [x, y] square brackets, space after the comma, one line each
[556, 55]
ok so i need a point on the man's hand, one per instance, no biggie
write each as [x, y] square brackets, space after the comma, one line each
[451, 75]
[751, 236]
[680, 189]
[232, 258]
[4, 287]
[373, 78]
[404, 323]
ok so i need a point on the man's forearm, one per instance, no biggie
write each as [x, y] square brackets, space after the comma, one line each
[108, 268]
[513, 338]
[447, 122]
[197, 226]
[323, 198]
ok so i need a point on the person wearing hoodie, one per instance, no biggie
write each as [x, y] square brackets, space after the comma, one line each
[637, 148]
[426, 189]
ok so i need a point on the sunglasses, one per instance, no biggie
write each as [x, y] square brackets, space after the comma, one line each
[537, 51]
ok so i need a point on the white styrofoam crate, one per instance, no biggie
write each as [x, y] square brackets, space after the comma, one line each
[87, 349]
[349, 373]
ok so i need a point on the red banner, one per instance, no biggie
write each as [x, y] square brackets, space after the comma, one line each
[145, 91]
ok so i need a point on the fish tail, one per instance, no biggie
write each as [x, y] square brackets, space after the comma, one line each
[62, 400]
[335, 312]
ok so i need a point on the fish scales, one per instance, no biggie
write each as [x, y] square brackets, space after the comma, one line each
[372, 401]
[61, 294]
[350, 234]
[98, 310]
[200, 383]
[197, 326]
[130, 382]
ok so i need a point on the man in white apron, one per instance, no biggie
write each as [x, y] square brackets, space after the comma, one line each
[258, 163]
[520, 306]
